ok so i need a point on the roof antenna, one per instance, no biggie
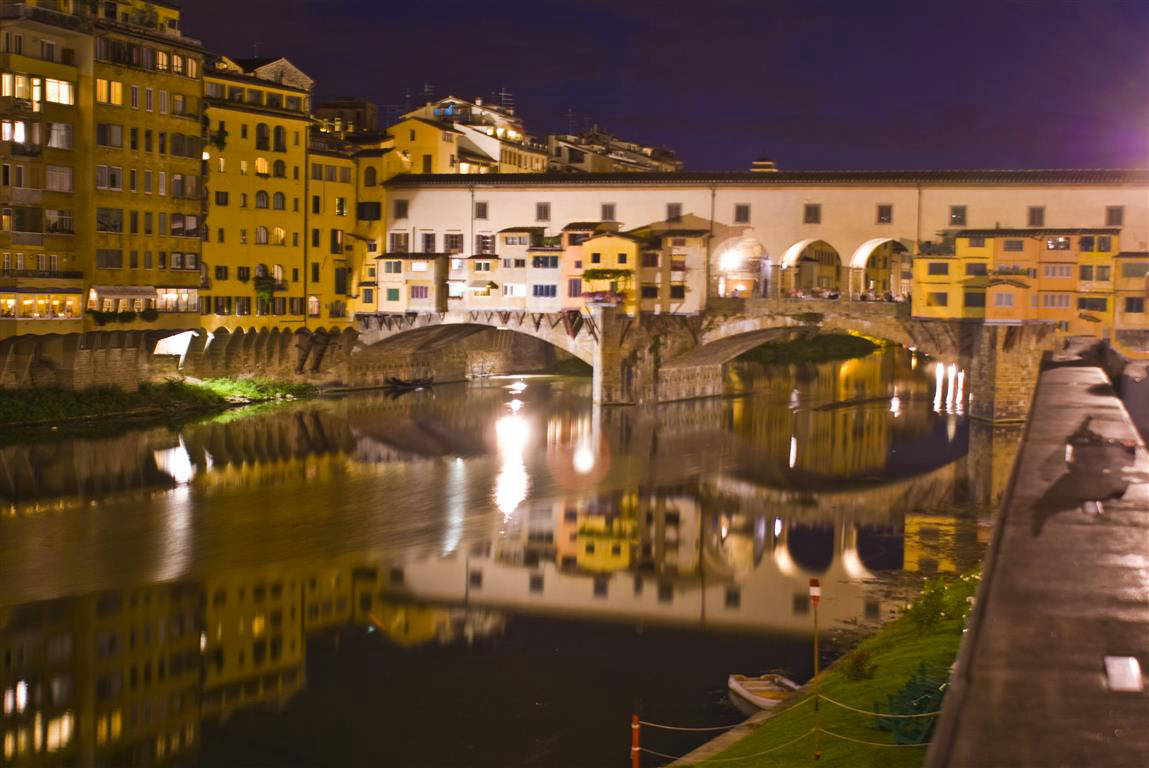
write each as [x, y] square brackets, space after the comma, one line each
[255, 49]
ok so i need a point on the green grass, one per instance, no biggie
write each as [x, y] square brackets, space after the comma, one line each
[929, 632]
[817, 349]
[258, 389]
[33, 406]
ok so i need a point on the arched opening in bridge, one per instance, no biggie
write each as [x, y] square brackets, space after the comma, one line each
[883, 268]
[741, 268]
[458, 351]
[812, 268]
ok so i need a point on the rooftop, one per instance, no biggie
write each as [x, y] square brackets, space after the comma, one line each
[1038, 232]
[686, 178]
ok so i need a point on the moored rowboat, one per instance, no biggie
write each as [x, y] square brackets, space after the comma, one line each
[764, 691]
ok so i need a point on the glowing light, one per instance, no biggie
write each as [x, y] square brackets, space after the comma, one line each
[731, 260]
[176, 462]
[518, 387]
[512, 433]
[515, 405]
[793, 451]
[961, 392]
[951, 427]
[794, 400]
[583, 459]
[896, 405]
[777, 527]
[21, 696]
[952, 375]
[939, 373]
[456, 505]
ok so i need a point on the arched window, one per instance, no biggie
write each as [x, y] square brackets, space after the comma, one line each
[278, 236]
[369, 179]
[261, 165]
[262, 136]
[279, 201]
[277, 272]
[261, 235]
[280, 139]
[279, 169]
[261, 199]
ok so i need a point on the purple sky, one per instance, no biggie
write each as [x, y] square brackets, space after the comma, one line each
[809, 83]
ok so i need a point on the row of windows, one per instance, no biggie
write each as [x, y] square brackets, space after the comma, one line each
[276, 201]
[37, 89]
[111, 177]
[256, 97]
[811, 214]
[277, 305]
[110, 93]
[1131, 304]
[146, 57]
[112, 220]
[111, 136]
[110, 258]
[1085, 271]
[263, 236]
[321, 172]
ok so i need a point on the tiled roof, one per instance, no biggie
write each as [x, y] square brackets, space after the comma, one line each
[685, 178]
[1038, 232]
[523, 229]
[582, 226]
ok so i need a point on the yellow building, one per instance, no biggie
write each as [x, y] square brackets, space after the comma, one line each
[254, 252]
[141, 248]
[427, 146]
[610, 268]
[331, 210]
[1062, 276]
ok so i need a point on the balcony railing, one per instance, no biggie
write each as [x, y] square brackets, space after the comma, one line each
[57, 274]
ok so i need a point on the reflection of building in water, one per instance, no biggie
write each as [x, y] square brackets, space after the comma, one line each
[931, 541]
[414, 624]
[106, 679]
[253, 639]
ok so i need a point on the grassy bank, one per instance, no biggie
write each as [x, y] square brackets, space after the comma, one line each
[817, 349]
[47, 406]
[929, 632]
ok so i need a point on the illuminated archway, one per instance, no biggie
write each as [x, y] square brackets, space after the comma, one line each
[813, 265]
[880, 264]
[739, 267]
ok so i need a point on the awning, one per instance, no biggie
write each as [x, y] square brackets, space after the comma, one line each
[482, 285]
[125, 291]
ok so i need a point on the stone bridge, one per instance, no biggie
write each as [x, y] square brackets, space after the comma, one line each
[663, 357]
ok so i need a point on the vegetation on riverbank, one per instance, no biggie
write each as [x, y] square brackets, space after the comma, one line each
[929, 633]
[43, 406]
[816, 349]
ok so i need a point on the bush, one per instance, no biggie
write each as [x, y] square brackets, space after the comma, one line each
[150, 314]
[126, 317]
[930, 607]
[859, 666]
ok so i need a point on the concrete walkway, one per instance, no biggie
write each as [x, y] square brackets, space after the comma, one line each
[1064, 587]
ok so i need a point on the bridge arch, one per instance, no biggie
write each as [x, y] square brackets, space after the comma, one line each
[878, 262]
[743, 265]
[813, 264]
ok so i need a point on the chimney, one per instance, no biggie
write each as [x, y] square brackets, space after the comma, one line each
[763, 165]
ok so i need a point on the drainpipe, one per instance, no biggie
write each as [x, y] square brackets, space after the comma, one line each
[306, 230]
[709, 244]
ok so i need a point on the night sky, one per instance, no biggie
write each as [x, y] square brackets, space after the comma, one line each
[849, 84]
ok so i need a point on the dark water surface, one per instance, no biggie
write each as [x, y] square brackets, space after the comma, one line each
[477, 575]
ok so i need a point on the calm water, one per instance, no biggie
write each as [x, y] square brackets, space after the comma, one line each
[483, 575]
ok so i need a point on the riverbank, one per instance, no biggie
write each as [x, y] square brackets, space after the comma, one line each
[929, 632]
[42, 407]
[817, 349]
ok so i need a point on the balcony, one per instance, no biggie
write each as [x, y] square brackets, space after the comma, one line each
[57, 274]
[26, 196]
[24, 238]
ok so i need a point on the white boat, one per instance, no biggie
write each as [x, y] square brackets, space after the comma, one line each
[764, 691]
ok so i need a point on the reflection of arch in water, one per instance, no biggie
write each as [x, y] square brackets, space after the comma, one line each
[811, 546]
[880, 548]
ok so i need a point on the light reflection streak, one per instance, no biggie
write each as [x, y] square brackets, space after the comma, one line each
[512, 433]
[456, 505]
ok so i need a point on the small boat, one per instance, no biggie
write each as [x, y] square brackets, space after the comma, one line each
[764, 691]
[395, 383]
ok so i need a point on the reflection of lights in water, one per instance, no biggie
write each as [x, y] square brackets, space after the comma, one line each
[852, 564]
[176, 462]
[518, 387]
[939, 373]
[951, 427]
[951, 376]
[583, 459]
[793, 451]
[21, 696]
[794, 400]
[512, 433]
[913, 359]
[725, 531]
[896, 404]
[777, 527]
[202, 641]
[960, 406]
[515, 405]
[456, 504]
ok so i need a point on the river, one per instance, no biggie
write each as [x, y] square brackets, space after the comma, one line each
[485, 574]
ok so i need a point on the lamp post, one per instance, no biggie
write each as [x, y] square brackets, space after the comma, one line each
[815, 598]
